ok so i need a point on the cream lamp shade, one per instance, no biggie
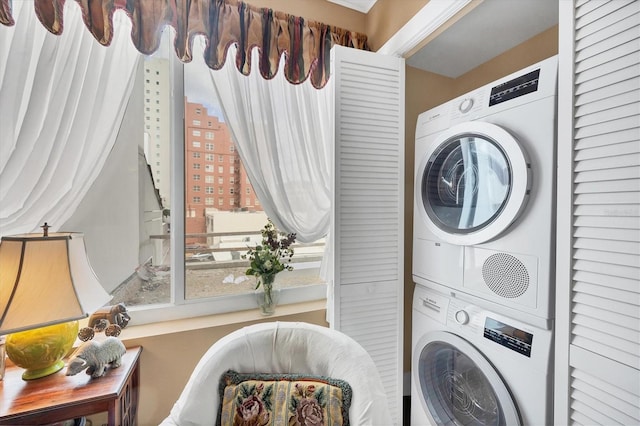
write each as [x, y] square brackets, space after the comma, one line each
[46, 280]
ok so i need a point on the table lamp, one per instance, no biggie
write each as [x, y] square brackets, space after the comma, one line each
[46, 285]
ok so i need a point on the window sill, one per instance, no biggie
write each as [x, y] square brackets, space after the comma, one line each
[195, 323]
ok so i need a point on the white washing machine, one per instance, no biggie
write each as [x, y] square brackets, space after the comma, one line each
[485, 167]
[474, 367]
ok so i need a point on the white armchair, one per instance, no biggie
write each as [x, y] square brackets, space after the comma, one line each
[283, 348]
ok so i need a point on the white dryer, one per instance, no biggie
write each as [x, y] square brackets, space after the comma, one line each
[475, 367]
[484, 209]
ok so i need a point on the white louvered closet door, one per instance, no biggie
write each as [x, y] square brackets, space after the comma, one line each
[367, 229]
[598, 294]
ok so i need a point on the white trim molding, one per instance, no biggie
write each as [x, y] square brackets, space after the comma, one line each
[429, 19]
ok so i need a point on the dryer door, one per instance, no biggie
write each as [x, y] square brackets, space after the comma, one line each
[458, 385]
[472, 183]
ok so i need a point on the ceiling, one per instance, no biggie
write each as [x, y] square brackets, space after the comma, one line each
[491, 28]
[360, 5]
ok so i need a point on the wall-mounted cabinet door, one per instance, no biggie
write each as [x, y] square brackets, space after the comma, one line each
[598, 264]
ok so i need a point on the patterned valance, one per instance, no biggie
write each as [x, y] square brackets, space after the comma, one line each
[223, 22]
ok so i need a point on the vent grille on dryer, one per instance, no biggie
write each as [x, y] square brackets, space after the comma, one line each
[505, 275]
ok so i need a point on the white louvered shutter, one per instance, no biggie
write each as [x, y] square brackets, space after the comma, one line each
[603, 371]
[368, 209]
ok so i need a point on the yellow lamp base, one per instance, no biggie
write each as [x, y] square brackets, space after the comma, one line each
[40, 351]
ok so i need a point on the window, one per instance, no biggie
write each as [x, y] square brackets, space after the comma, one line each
[177, 215]
[232, 148]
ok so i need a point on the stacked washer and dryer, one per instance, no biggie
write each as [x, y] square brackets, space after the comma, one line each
[483, 254]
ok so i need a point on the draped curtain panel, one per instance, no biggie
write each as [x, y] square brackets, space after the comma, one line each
[222, 22]
[283, 135]
[55, 137]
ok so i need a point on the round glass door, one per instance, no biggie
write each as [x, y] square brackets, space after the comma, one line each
[472, 183]
[460, 387]
[466, 183]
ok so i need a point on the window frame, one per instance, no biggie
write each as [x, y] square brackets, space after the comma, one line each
[179, 307]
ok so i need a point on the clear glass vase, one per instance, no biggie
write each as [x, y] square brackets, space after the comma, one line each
[267, 295]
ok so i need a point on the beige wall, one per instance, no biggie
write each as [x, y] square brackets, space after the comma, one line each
[385, 19]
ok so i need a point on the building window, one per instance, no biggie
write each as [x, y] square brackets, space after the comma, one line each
[220, 181]
[231, 191]
[208, 135]
[195, 144]
[195, 154]
[208, 189]
[196, 177]
[220, 170]
[220, 190]
[220, 158]
[196, 200]
[232, 148]
[208, 179]
[208, 201]
[195, 132]
[208, 157]
[196, 166]
[196, 122]
[208, 146]
[208, 168]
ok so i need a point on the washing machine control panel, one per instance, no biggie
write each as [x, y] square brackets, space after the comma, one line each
[476, 323]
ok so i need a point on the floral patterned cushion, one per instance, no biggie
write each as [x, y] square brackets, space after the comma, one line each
[287, 399]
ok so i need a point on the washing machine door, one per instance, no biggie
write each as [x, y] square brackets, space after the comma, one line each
[472, 183]
[459, 386]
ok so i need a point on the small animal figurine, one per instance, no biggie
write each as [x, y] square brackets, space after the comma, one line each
[110, 319]
[96, 356]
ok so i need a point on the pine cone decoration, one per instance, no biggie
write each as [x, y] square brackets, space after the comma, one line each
[113, 330]
[86, 333]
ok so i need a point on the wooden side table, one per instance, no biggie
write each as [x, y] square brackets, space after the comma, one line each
[58, 397]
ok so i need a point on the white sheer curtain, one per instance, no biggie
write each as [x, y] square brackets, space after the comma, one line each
[62, 99]
[283, 134]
